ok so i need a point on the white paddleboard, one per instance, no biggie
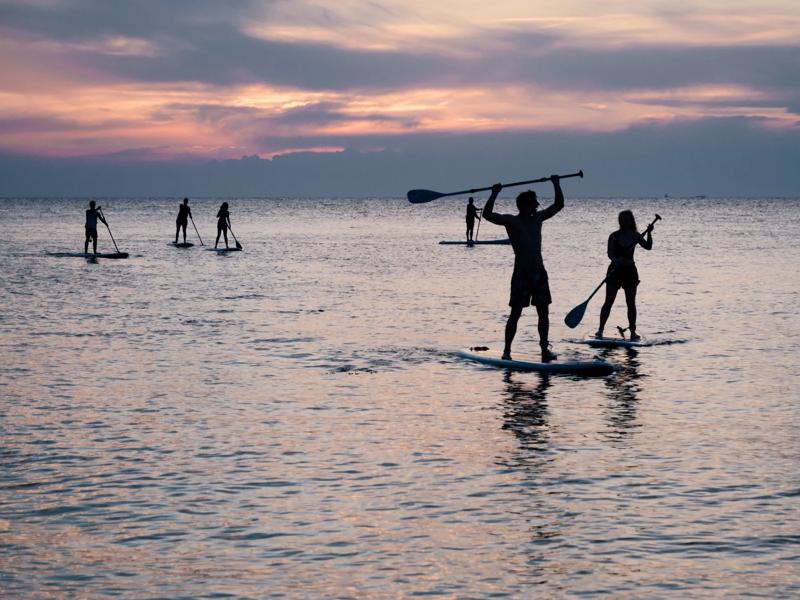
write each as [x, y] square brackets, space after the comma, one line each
[612, 342]
[89, 254]
[505, 242]
[576, 367]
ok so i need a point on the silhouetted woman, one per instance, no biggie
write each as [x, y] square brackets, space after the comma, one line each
[622, 272]
[223, 222]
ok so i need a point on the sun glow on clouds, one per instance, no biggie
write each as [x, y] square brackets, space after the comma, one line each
[76, 95]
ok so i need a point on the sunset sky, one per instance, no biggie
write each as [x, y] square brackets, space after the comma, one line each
[195, 80]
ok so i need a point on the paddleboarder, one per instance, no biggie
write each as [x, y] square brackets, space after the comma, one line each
[92, 214]
[223, 222]
[529, 284]
[472, 214]
[622, 272]
[184, 214]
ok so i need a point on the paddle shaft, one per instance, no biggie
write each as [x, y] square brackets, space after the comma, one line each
[197, 232]
[514, 184]
[238, 245]
[596, 289]
[109, 230]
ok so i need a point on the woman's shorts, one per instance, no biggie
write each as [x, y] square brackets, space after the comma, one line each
[624, 277]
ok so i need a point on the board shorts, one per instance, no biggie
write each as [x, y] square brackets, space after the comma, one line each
[625, 277]
[91, 233]
[470, 222]
[181, 222]
[529, 287]
[222, 225]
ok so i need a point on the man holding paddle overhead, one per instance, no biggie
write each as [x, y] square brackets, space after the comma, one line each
[529, 284]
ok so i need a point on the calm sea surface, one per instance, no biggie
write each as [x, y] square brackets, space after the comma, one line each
[290, 420]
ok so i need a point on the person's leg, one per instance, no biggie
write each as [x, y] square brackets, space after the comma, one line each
[630, 299]
[611, 295]
[511, 330]
[225, 233]
[177, 231]
[184, 224]
[94, 241]
[219, 232]
[543, 312]
[86, 243]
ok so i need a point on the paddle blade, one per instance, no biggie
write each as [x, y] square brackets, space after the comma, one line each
[574, 317]
[421, 196]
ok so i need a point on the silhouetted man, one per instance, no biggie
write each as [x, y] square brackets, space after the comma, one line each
[184, 213]
[472, 214]
[92, 214]
[529, 284]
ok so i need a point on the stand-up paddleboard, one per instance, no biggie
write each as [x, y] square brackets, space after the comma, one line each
[180, 244]
[89, 254]
[485, 356]
[613, 342]
[475, 243]
[224, 250]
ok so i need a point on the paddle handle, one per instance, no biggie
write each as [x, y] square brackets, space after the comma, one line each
[649, 227]
[516, 183]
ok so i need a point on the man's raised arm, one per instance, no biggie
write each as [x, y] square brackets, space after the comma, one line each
[488, 208]
[558, 204]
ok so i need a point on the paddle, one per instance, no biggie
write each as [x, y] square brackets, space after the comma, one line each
[109, 229]
[575, 316]
[422, 196]
[238, 245]
[478, 230]
[197, 232]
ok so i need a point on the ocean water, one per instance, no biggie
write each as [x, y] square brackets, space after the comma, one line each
[290, 421]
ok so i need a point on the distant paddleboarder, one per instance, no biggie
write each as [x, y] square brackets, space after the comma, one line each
[223, 223]
[472, 214]
[184, 214]
[622, 272]
[529, 284]
[92, 214]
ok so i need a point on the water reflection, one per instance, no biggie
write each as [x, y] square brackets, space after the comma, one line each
[525, 411]
[623, 393]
